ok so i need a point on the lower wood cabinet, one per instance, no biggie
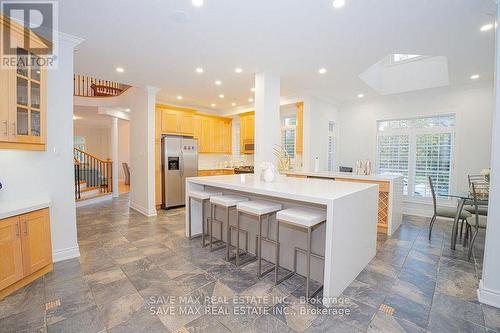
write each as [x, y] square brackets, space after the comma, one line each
[26, 250]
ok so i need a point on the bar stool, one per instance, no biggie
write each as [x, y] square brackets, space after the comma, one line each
[203, 196]
[260, 209]
[307, 219]
[227, 202]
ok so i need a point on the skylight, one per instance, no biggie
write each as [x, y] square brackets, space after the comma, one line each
[402, 57]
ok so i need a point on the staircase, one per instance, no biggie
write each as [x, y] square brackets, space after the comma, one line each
[93, 176]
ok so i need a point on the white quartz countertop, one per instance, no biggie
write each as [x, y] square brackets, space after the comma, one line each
[22, 206]
[321, 191]
[326, 174]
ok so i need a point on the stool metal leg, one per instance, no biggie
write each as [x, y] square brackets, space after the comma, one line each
[259, 248]
[228, 235]
[202, 221]
[211, 226]
[308, 277]
[237, 238]
[277, 252]
[189, 213]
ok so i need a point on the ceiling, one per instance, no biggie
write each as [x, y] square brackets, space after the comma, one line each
[160, 43]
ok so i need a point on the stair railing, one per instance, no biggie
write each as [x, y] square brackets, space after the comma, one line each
[96, 173]
[86, 86]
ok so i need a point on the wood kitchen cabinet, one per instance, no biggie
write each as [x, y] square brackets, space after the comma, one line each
[26, 250]
[247, 129]
[299, 141]
[177, 122]
[213, 134]
[23, 97]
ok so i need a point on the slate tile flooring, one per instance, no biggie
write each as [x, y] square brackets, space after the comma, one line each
[131, 268]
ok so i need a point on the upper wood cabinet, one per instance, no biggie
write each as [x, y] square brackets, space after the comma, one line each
[177, 122]
[23, 98]
[247, 129]
[213, 134]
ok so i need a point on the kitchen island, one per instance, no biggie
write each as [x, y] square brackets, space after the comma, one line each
[347, 239]
[390, 207]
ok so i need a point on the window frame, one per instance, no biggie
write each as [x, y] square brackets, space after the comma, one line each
[412, 133]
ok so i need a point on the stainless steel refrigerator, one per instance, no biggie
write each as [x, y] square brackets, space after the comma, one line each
[179, 160]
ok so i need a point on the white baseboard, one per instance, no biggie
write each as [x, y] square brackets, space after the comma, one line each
[65, 254]
[488, 296]
[143, 210]
[94, 200]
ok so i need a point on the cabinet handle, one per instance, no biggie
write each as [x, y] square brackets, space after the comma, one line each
[6, 133]
[18, 232]
[14, 127]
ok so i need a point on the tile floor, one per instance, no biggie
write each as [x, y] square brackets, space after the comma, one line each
[134, 272]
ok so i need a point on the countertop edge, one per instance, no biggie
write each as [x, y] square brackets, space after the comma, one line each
[383, 178]
[19, 207]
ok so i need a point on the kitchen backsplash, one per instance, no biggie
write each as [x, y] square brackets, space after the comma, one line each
[217, 161]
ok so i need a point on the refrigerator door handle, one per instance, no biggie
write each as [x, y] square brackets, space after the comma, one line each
[181, 164]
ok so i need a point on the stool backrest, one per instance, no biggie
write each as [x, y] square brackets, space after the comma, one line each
[434, 203]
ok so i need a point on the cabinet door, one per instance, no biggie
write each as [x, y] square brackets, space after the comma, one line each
[206, 138]
[300, 129]
[5, 103]
[186, 123]
[11, 260]
[227, 137]
[35, 240]
[217, 146]
[169, 121]
[250, 125]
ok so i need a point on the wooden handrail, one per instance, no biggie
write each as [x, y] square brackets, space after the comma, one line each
[93, 156]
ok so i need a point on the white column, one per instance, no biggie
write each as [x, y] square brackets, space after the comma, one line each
[489, 286]
[114, 155]
[267, 118]
[142, 144]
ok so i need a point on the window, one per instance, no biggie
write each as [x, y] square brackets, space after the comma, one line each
[417, 148]
[288, 135]
[332, 145]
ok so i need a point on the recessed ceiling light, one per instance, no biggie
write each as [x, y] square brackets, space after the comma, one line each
[233, 104]
[338, 4]
[474, 77]
[120, 69]
[250, 100]
[252, 90]
[199, 70]
[127, 110]
[213, 105]
[322, 70]
[218, 83]
[487, 27]
[179, 97]
[361, 95]
[197, 3]
[238, 70]
[221, 96]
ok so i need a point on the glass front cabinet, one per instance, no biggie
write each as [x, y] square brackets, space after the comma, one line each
[23, 102]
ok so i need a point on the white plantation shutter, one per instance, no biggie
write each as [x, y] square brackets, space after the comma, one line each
[393, 156]
[418, 148]
[288, 140]
[433, 158]
[332, 145]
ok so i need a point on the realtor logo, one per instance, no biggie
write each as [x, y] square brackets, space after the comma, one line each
[31, 26]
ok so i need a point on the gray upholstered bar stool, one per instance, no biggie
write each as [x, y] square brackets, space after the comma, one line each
[307, 219]
[227, 202]
[259, 209]
[203, 196]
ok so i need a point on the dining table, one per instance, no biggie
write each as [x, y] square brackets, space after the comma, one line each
[464, 197]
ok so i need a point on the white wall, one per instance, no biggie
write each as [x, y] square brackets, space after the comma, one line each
[97, 139]
[473, 105]
[317, 114]
[489, 286]
[123, 147]
[27, 174]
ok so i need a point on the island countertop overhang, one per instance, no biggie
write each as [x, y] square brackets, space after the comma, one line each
[319, 191]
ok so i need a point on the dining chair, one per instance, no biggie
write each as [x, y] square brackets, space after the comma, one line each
[445, 212]
[126, 170]
[478, 190]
